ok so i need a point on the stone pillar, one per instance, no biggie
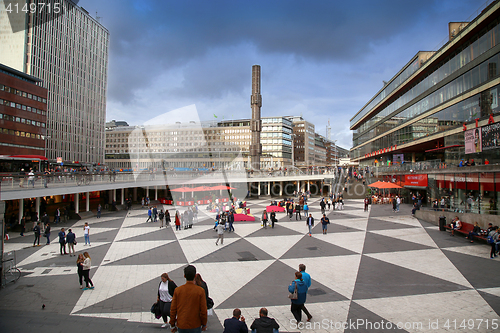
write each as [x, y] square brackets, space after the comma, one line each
[77, 203]
[268, 188]
[281, 189]
[122, 196]
[156, 192]
[258, 189]
[110, 196]
[21, 210]
[134, 194]
[114, 194]
[298, 186]
[87, 201]
[412, 157]
[37, 204]
[147, 191]
[308, 185]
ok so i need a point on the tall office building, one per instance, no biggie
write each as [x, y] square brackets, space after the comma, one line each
[68, 51]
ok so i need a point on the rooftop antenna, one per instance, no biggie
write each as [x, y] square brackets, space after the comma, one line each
[98, 18]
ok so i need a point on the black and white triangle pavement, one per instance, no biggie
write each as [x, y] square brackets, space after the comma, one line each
[371, 267]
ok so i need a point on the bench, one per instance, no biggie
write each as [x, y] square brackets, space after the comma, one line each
[466, 228]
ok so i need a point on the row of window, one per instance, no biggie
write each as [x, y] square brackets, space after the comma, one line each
[19, 133]
[22, 107]
[478, 75]
[22, 93]
[462, 58]
[477, 106]
[21, 120]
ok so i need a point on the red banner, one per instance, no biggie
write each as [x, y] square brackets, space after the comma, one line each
[416, 180]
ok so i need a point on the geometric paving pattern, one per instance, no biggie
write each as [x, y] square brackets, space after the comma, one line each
[375, 266]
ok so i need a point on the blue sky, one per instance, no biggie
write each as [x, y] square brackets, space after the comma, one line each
[320, 59]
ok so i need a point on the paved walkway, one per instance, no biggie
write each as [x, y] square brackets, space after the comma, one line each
[372, 270]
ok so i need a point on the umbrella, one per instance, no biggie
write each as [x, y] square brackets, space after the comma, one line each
[388, 185]
[201, 189]
[377, 184]
[222, 187]
[182, 189]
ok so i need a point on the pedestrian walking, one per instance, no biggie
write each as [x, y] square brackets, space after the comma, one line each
[306, 209]
[47, 233]
[37, 232]
[310, 223]
[272, 216]
[166, 290]
[297, 304]
[177, 221]
[62, 241]
[298, 208]
[150, 215]
[230, 219]
[398, 202]
[264, 219]
[99, 208]
[161, 216]
[210, 302]
[167, 218]
[367, 202]
[71, 240]
[325, 221]
[188, 311]
[307, 279]
[220, 234]
[155, 214]
[87, 263]
[86, 233]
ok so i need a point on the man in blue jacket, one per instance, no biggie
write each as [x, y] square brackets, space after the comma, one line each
[307, 279]
[298, 303]
[236, 324]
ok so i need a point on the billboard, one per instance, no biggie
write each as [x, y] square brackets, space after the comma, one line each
[416, 180]
[398, 158]
[491, 137]
[473, 141]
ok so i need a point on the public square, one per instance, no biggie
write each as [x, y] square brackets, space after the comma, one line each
[375, 268]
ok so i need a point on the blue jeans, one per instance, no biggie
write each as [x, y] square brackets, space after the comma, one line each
[189, 330]
[310, 228]
[87, 239]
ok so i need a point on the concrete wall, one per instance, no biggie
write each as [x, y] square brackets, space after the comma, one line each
[432, 216]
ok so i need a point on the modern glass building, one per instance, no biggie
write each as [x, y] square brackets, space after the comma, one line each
[68, 50]
[439, 109]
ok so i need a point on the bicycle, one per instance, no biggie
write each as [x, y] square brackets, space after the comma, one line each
[10, 272]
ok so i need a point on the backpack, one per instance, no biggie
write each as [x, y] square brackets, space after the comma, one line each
[490, 240]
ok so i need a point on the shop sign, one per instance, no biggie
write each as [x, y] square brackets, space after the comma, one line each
[416, 180]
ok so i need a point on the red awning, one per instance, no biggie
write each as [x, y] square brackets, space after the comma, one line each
[441, 148]
[31, 157]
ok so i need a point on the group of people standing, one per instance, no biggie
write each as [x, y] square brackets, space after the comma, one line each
[84, 264]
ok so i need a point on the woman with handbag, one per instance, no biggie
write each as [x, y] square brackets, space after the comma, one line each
[199, 282]
[165, 294]
[298, 292]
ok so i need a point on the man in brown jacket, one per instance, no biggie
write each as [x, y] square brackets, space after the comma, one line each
[188, 311]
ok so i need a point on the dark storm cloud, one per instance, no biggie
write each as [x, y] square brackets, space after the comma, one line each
[148, 37]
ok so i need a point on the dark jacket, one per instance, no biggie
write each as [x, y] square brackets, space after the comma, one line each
[70, 238]
[233, 325]
[36, 230]
[301, 291]
[264, 325]
[62, 236]
[312, 220]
